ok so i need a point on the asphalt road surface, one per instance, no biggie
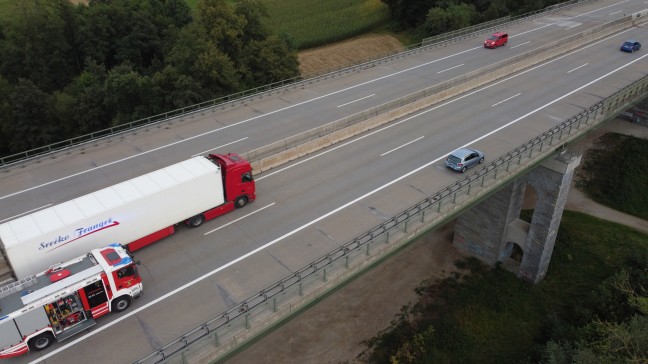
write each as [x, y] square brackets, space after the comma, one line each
[314, 205]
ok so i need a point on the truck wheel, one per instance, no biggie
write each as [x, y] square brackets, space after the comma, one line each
[240, 202]
[196, 221]
[120, 304]
[41, 342]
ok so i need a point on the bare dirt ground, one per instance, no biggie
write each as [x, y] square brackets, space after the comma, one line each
[329, 58]
[333, 331]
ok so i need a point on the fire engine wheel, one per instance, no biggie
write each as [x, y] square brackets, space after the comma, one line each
[120, 304]
[41, 342]
[196, 221]
[240, 202]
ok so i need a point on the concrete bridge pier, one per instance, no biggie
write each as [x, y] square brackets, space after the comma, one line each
[493, 232]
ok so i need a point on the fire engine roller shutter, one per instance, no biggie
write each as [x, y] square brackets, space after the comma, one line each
[9, 334]
[31, 321]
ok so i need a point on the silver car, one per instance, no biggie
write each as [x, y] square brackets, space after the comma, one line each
[464, 158]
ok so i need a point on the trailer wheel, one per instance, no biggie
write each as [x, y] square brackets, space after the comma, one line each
[120, 304]
[196, 221]
[241, 201]
[41, 342]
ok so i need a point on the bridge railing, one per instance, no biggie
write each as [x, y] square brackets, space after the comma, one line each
[107, 135]
[498, 24]
[227, 331]
[283, 150]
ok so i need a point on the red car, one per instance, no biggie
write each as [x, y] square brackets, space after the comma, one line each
[496, 40]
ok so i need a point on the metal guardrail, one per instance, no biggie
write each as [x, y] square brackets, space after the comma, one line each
[481, 28]
[252, 316]
[267, 156]
[243, 96]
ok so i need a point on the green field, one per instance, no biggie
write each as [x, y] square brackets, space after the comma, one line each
[6, 7]
[616, 174]
[306, 23]
[309, 23]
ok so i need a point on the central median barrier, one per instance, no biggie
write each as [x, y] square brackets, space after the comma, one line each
[302, 144]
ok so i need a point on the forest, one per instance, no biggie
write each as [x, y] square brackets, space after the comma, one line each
[71, 69]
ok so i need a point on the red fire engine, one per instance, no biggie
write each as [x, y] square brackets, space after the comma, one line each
[66, 299]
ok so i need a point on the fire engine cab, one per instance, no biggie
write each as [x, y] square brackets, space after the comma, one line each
[66, 299]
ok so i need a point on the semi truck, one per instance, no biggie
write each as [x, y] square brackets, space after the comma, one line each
[134, 213]
[66, 299]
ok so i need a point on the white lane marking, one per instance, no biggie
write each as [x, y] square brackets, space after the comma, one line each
[295, 105]
[239, 219]
[574, 69]
[289, 107]
[103, 165]
[25, 213]
[331, 149]
[573, 26]
[448, 69]
[239, 123]
[272, 242]
[351, 102]
[521, 44]
[616, 12]
[404, 145]
[220, 146]
[516, 95]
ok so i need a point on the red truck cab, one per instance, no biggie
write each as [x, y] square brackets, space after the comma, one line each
[237, 178]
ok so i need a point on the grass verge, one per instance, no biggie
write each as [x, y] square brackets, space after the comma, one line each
[615, 173]
[490, 316]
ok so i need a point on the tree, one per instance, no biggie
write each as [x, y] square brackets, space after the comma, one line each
[269, 61]
[129, 94]
[141, 44]
[253, 11]
[103, 25]
[224, 28]
[461, 16]
[132, 31]
[35, 46]
[31, 122]
[178, 90]
[436, 22]
[408, 13]
[81, 107]
[195, 55]
[6, 90]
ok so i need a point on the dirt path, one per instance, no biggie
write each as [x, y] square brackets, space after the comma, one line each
[578, 201]
[333, 330]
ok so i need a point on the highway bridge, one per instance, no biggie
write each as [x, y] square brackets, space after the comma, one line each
[328, 208]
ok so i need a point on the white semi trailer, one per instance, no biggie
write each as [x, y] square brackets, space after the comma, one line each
[133, 213]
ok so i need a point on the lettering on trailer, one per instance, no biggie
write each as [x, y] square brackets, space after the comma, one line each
[78, 234]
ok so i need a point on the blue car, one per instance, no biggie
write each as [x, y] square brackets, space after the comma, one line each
[630, 46]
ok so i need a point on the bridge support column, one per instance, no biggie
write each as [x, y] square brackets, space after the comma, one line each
[491, 229]
[481, 230]
[551, 181]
